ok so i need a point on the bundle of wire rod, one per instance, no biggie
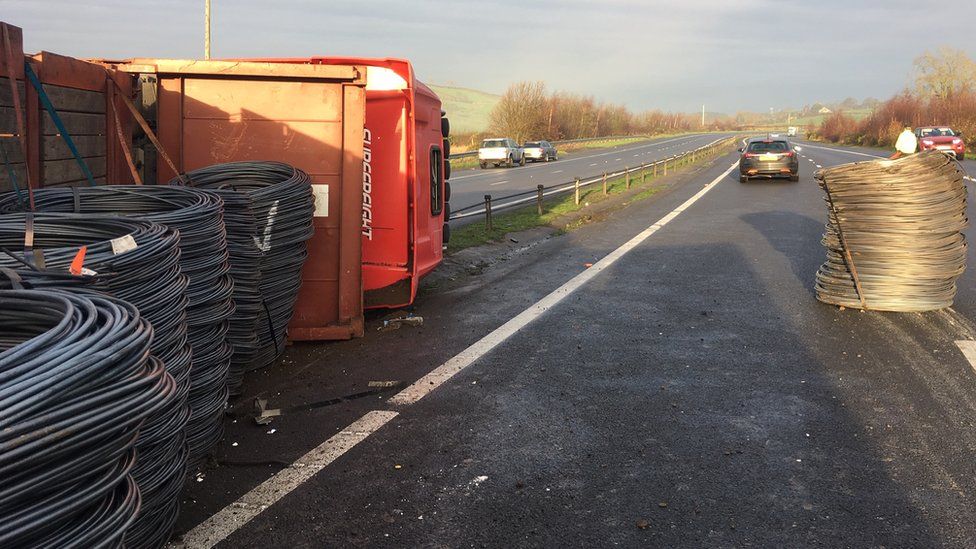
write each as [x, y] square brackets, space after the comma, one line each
[138, 261]
[76, 383]
[197, 215]
[245, 265]
[894, 233]
[282, 203]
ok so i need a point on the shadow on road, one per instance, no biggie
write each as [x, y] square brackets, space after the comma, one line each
[797, 237]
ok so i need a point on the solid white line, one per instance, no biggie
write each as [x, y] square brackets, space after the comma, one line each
[968, 348]
[226, 521]
[843, 151]
[478, 349]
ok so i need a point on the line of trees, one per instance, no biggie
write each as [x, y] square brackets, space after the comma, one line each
[943, 91]
[528, 111]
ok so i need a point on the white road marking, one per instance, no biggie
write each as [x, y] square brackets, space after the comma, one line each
[819, 166]
[969, 178]
[617, 159]
[968, 348]
[593, 164]
[557, 171]
[844, 151]
[497, 183]
[229, 519]
[478, 349]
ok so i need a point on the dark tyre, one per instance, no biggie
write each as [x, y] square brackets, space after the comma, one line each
[447, 191]
[447, 233]
[484, 165]
[446, 210]
[522, 162]
[446, 147]
[743, 178]
[510, 162]
[445, 128]
[447, 170]
[795, 177]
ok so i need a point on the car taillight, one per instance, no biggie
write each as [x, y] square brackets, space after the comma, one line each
[788, 154]
[750, 155]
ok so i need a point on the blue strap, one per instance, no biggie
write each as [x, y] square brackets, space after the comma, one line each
[11, 174]
[46, 102]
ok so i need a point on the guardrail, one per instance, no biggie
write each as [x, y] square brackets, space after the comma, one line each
[469, 154]
[493, 204]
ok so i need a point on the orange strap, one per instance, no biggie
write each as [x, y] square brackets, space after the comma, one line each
[122, 140]
[145, 128]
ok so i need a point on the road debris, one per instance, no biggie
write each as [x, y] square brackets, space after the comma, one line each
[399, 322]
[264, 415]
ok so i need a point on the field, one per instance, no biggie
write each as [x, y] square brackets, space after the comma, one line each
[468, 109]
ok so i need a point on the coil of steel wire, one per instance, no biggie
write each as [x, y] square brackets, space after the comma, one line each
[245, 265]
[138, 261]
[76, 383]
[282, 204]
[197, 215]
[894, 230]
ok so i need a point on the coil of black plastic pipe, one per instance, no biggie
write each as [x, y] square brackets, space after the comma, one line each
[76, 383]
[138, 261]
[245, 265]
[282, 203]
[197, 215]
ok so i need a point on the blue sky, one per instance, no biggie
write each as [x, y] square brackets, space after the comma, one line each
[674, 55]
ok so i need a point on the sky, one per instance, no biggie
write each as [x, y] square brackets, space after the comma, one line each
[729, 55]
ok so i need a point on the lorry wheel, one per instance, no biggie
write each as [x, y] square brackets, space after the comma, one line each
[447, 191]
[445, 128]
[447, 233]
[447, 170]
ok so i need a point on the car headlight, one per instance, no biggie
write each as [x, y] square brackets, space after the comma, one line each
[928, 142]
[957, 141]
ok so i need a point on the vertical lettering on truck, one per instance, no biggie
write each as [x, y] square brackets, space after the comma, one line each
[367, 185]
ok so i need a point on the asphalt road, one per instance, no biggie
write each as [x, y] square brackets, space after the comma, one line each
[469, 187]
[692, 393]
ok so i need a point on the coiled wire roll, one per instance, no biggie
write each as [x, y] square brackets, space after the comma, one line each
[138, 261]
[282, 203]
[894, 229]
[197, 215]
[245, 268]
[76, 383]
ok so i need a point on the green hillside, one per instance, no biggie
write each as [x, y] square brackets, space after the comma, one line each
[467, 109]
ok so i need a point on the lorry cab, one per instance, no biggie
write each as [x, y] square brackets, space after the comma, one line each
[405, 173]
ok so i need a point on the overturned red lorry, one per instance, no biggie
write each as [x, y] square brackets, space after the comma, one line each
[404, 154]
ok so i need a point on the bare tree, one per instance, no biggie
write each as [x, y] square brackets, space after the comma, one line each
[944, 73]
[522, 112]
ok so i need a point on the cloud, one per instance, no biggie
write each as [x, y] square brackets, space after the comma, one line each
[730, 55]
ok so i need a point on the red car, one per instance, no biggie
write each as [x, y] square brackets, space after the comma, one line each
[941, 138]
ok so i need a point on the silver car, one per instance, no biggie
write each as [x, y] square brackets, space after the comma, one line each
[539, 150]
[500, 152]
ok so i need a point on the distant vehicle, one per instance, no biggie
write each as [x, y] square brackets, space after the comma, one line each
[791, 131]
[769, 157]
[941, 138]
[539, 150]
[500, 151]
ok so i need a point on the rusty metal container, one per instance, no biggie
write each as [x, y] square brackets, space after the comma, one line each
[310, 116]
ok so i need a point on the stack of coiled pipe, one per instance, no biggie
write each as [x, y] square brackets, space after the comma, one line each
[245, 268]
[197, 215]
[138, 261]
[894, 233]
[76, 383]
[283, 205]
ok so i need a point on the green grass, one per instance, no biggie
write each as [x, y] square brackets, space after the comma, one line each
[817, 119]
[468, 109]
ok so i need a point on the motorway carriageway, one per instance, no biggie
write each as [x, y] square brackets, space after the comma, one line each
[687, 389]
[469, 187]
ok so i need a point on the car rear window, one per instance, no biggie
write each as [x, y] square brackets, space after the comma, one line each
[533, 144]
[768, 146]
[935, 132]
[492, 143]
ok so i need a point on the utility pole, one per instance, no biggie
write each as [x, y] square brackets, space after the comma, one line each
[703, 115]
[206, 29]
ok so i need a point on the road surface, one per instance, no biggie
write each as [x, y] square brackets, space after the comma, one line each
[469, 187]
[687, 390]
